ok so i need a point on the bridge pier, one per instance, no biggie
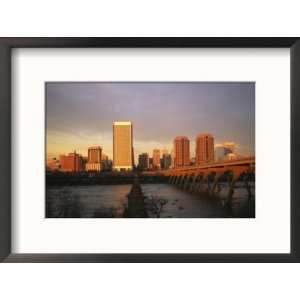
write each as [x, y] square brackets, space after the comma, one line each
[192, 186]
[178, 177]
[187, 181]
[205, 178]
[215, 184]
[198, 185]
[174, 177]
[207, 187]
[247, 187]
[182, 182]
[232, 183]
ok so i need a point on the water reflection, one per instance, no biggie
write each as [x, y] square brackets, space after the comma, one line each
[163, 200]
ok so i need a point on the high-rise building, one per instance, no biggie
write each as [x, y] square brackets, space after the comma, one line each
[72, 162]
[122, 146]
[166, 161]
[94, 154]
[156, 159]
[143, 161]
[94, 159]
[181, 151]
[204, 148]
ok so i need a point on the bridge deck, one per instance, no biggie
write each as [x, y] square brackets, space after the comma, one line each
[221, 164]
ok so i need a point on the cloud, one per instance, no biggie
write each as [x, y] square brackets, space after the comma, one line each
[83, 113]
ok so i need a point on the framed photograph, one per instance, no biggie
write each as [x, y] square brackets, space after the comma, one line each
[149, 149]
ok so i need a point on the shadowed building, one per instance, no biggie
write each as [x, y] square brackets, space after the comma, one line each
[94, 159]
[181, 151]
[122, 146]
[106, 163]
[143, 161]
[204, 148]
[166, 161]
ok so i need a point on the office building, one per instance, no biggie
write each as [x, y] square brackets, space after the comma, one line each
[122, 146]
[166, 161]
[72, 162]
[143, 161]
[156, 159]
[94, 159]
[181, 151]
[204, 148]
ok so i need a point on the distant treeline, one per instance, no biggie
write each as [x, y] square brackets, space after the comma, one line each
[102, 178]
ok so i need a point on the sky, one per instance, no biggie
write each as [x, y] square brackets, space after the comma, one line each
[80, 115]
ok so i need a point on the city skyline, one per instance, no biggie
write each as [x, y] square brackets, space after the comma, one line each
[179, 156]
[80, 115]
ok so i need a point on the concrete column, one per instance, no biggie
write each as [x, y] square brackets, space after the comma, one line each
[178, 179]
[232, 183]
[247, 187]
[199, 183]
[173, 179]
[192, 186]
[208, 183]
[215, 184]
[181, 184]
[187, 181]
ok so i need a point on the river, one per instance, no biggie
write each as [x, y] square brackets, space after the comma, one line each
[107, 201]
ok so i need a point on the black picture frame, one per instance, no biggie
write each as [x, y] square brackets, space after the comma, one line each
[7, 44]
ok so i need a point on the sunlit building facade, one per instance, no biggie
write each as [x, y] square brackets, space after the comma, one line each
[122, 146]
[94, 159]
[231, 156]
[94, 154]
[156, 159]
[204, 148]
[181, 151]
[72, 162]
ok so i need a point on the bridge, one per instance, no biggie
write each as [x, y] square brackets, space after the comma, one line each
[205, 178]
